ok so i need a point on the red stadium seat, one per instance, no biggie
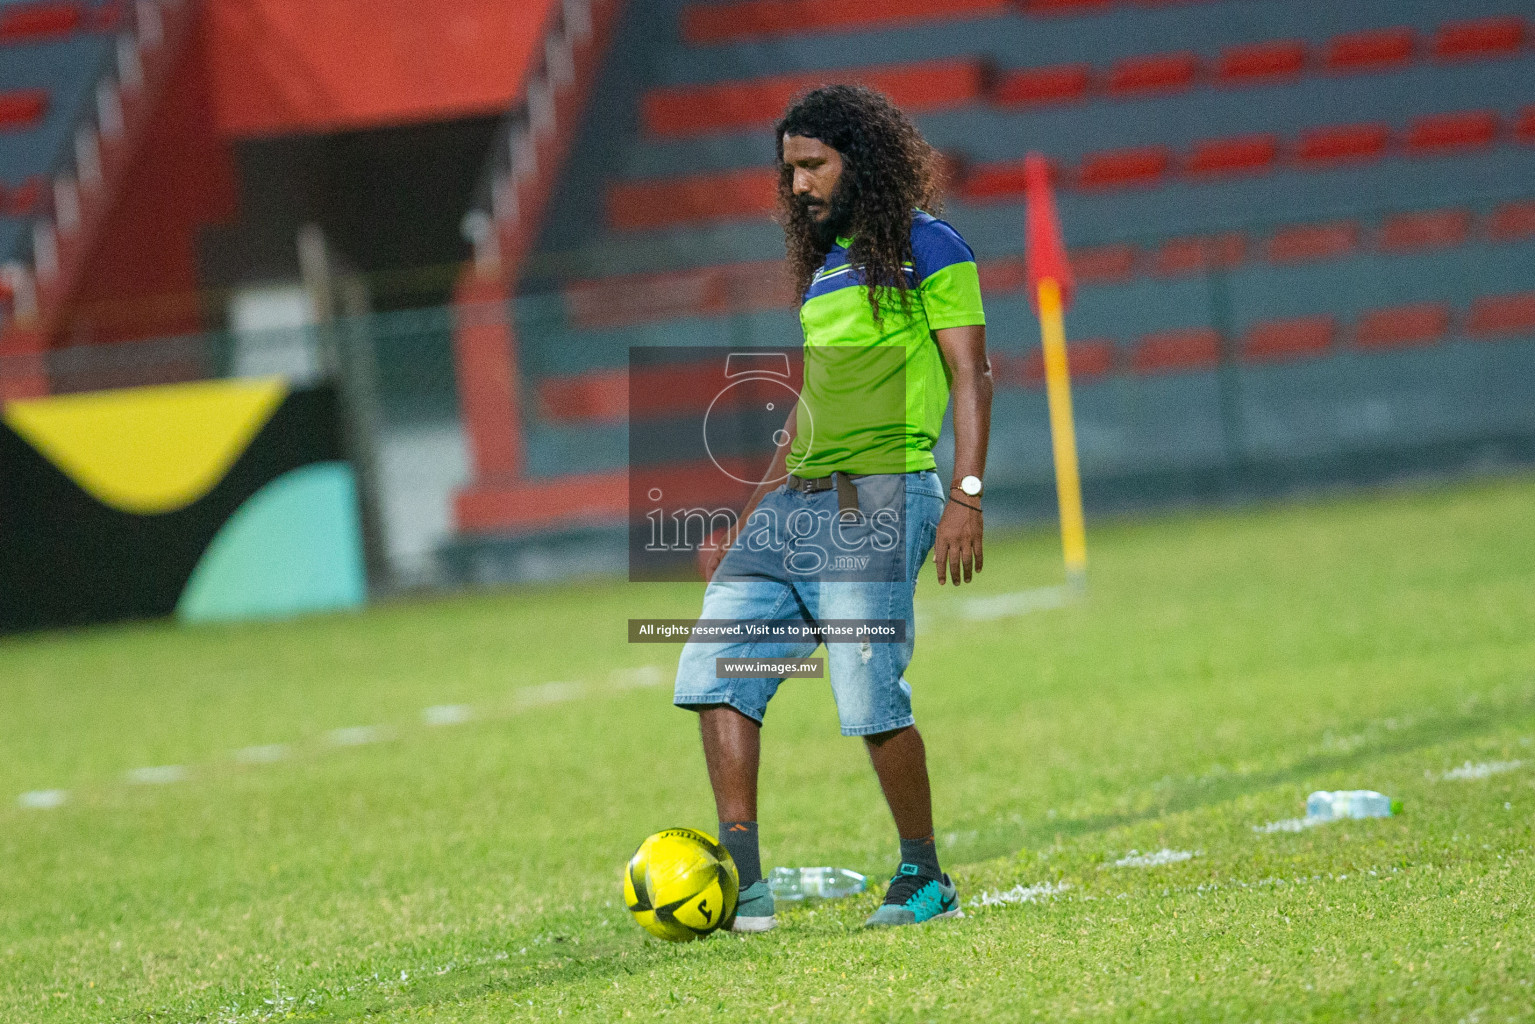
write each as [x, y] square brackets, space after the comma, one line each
[1422, 323]
[1004, 276]
[994, 181]
[682, 111]
[638, 298]
[1124, 167]
[1512, 221]
[729, 195]
[1375, 50]
[1084, 359]
[754, 19]
[1409, 232]
[1199, 254]
[22, 108]
[1164, 72]
[1524, 128]
[1106, 264]
[24, 200]
[1063, 83]
[600, 396]
[1308, 243]
[38, 21]
[1063, 6]
[1197, 348]
[1004, 180]
[1250, 154]
[108, 17]
[1439, 133]
[1103, 264]
[1343, 143]
[1502, 316]
[1277, 340]
[1476, 40]
[1261, 62]
[734, 105]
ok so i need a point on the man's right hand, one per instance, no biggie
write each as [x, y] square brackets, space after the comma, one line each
[712, 551]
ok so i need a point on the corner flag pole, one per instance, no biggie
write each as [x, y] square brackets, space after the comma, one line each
[1050, 287]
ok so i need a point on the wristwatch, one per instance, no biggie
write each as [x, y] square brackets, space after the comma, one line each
[971, 485]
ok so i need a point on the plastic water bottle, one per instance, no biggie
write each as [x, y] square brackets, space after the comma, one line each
[793, 884]
[1350, 803]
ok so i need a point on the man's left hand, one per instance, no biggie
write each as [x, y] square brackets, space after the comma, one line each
[957, 547]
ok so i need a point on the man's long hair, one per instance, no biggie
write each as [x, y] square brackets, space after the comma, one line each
[888, 170]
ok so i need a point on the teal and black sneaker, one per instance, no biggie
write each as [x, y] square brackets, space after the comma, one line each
[754, 909]
[914, 898]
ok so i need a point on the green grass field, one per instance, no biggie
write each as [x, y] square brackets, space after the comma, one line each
[1223, 666]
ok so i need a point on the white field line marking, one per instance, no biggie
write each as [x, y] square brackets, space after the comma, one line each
[998, 606]
[1020, 894]
[447, 714]
[1289, 825]
[1477, 771]
[1136, 859]
[265, 753]
[548, 693]
[357, 735]
[43, 799]
[633, 678]
[360, 735]
[159, 775]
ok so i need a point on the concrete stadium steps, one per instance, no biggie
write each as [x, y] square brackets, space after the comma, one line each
[1100, 38]
[1182, 206]
[62, 73]
[1352, 402]
[51, 52]
[988, 131]
[23, 21]
[733, 105]
[743, 287]
[1146, 326]
[46, 82]
[1254, 138]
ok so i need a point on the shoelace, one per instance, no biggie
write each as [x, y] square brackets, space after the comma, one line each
[904, 887]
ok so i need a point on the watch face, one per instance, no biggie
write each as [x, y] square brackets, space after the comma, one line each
[971, 485]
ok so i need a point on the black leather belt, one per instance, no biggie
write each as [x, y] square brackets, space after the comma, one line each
[847, 494]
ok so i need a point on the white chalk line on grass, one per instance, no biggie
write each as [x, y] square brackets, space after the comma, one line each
[437, 715]
[358, 735]
[447, 714]
[1289, 825]
[159, 775]
[998, 606]
[1020, 894]
[1484, 770]
[265, 753]
[1136, 859]
[43, 799]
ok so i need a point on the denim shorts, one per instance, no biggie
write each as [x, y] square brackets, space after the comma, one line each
[790, 561]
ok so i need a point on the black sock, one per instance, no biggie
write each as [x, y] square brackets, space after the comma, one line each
[740, 839]
[923, 853]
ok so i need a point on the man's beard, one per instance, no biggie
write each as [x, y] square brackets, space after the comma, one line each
[825, 232]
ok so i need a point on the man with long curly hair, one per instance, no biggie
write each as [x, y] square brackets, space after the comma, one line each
[891, 312]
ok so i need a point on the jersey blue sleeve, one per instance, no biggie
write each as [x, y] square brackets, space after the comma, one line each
[947, 277]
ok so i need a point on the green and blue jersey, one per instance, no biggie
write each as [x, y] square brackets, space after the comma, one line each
[875, 392]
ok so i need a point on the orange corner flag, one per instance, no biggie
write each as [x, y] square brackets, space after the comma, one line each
[1046, 249]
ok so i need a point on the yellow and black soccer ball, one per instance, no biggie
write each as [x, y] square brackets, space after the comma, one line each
[681, 884]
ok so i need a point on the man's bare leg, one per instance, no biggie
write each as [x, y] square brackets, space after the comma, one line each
[900, 761]
[733, 750]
